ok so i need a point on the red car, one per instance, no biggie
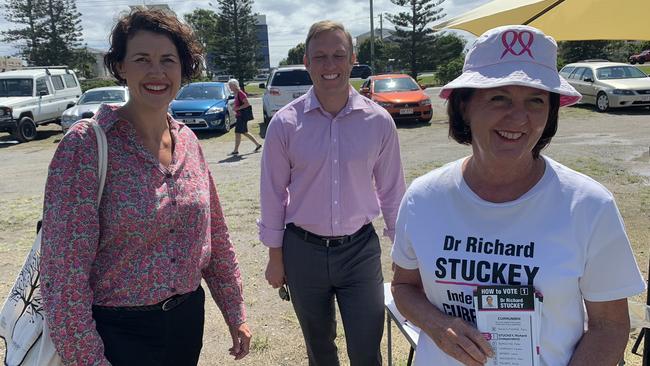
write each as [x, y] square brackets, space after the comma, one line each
[640, 58]
[402, 97]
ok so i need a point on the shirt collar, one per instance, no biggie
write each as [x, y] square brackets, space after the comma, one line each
[355, 101]
[107, 116]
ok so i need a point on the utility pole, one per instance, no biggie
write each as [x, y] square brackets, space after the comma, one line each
[381, 26]
[372, 39]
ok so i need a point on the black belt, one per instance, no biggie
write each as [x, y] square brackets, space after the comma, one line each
[329, 241]
[165, 305]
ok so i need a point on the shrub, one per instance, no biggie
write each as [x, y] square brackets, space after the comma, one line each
[451, 70]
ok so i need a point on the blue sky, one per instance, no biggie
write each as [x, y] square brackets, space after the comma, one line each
[288, 20]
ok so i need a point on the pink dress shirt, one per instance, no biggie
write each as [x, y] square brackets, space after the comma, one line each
[329, 175]
[156, 233]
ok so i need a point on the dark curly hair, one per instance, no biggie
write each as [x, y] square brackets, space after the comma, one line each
[459, 129]
[189, 49]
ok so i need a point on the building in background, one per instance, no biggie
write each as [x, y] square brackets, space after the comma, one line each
[262, 31]
[10, 63]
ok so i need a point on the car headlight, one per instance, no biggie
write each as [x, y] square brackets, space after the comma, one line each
[622, 92]
[214, 110]
[425, 102]
[5, 112]
[385, 104]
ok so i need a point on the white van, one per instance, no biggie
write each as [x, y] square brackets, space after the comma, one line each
[35, 96]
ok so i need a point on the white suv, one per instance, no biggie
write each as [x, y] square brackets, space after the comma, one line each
[35, 96]
[285, 84]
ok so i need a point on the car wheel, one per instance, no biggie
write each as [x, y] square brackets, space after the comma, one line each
[632, 62]
[641, 62]
[227, 122]
[602, 102]
[26, 130]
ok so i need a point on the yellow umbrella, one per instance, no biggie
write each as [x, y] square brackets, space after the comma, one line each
[564, 20]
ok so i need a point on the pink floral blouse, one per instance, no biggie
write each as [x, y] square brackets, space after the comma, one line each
[157, 231]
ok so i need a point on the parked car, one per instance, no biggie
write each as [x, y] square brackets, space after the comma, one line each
[609, 84]
[402, 96]
[90, 101]
[204, 106]
[642, 57]
[223, 78]
[35, 96]
[360, 71]
[286, 84]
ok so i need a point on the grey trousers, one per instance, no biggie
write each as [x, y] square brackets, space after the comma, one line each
[351, 272]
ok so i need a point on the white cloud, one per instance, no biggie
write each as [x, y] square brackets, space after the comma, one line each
[288, 20]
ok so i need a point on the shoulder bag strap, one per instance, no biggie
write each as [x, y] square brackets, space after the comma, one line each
[102, 158]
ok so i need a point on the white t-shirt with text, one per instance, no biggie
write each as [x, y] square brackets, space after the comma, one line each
[565, 236]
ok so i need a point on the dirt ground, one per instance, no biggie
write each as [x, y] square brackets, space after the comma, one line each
[613, 148]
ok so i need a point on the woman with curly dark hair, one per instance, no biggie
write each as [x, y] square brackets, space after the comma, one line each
[122, 276]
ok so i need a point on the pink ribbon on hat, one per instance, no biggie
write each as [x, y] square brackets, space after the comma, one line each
[517, 37]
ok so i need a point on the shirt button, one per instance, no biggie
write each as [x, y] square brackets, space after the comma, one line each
[335, 161]
[336, 182]
[336, 202]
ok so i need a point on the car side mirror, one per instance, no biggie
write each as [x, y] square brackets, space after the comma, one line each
[589, 80]
[364, 90]
[262, 86]
[231, 97]
[42, 93]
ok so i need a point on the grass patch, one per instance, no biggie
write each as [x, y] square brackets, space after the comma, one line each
[428, 80]
[260, 344]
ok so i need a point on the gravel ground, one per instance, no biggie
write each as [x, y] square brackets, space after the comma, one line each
[613, 148]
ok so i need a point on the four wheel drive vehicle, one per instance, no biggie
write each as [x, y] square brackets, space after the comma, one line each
[360, 71]
[35, 96]
[90, 101]
[286, 84]
[609, 84]
[402, 97]
[640, 58]
[204, 106]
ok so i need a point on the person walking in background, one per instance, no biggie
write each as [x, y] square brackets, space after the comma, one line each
[122, 279]
[331, 161]
[243, 114]
[459, 225]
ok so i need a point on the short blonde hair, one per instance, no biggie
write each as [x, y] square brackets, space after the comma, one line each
[327, 26]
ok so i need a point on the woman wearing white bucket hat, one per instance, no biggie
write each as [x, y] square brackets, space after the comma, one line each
[507, 215]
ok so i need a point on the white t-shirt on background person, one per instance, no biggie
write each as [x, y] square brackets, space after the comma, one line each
[565, 236]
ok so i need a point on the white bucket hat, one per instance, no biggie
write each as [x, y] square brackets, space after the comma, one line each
[513, 55]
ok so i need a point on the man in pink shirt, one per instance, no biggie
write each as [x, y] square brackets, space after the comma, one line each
[331, 162]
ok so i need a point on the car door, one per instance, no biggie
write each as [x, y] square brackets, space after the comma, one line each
[575, 79]
[45, 108]
[589, 89]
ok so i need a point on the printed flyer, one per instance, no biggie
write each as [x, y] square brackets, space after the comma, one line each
[509, 318]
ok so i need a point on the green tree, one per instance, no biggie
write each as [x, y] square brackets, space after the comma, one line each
[572, 51]
[295, 54]
[238, 50]
[84, 62]
[380, 54]
[413, 28]
[63, 32]
[444, 49]
[51, 30]
[29, 14]
[204, 22]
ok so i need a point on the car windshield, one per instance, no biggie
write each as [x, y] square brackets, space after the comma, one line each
[16, 87]
[395, 85]
[291, 78]
[619, 72]
[201, 92]
[102, 96]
